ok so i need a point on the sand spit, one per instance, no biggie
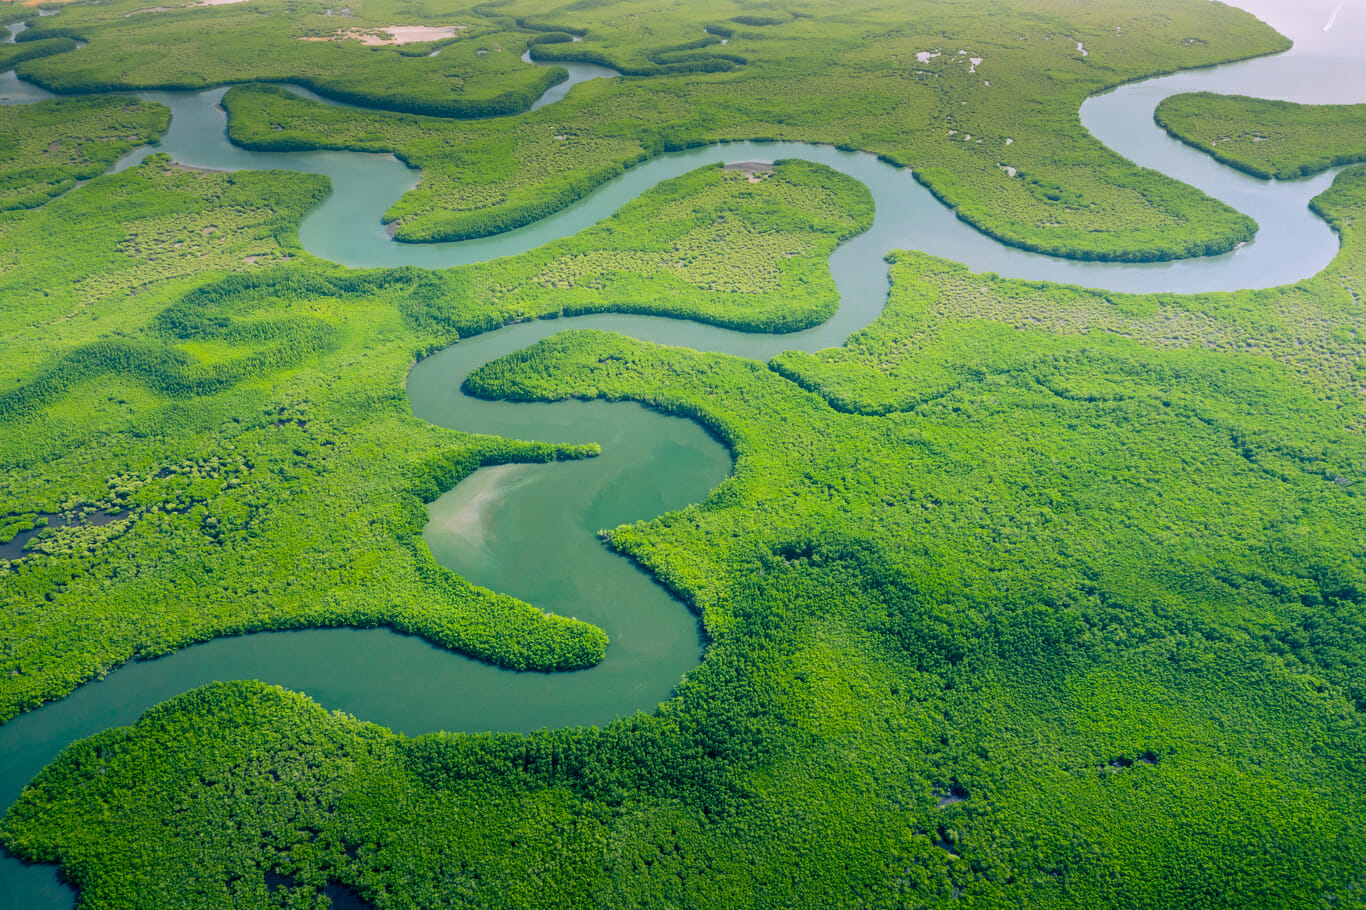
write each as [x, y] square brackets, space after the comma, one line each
[390, 34]
[754, 171]
[172, 9]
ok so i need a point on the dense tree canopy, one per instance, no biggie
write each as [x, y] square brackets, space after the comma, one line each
[1027, 595]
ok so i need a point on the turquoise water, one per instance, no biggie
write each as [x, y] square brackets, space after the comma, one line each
[530, 530]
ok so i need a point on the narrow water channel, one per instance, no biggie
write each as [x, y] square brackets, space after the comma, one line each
[484, 528]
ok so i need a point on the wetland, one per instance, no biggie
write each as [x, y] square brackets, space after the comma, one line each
[531, 530]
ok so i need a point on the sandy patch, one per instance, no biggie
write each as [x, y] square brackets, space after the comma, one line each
[169, 9]
[754, 171]
[465, 511]
[390, 35]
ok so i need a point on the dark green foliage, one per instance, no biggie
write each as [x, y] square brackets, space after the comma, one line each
[1028, 596]
[46, 148]
[1154, 244]
[511, 102]
[550, 38]
[828, 75]
[209, 313]
[1340, 204]
[853, 681]
[710, 246]
[1267, 138]
[545, 29]
[11, 55]
[195, 48]
[760, 20]
[671, 61]
[236, 367]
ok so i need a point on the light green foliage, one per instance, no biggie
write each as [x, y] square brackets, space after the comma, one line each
[134, 46]
[1104, 590]
[1101, 592]
[257, 424]
[46, 147]
[1310, 327]
[11, 55]
[1267, 138]
[124, 235]
[717, 246]
[848, 77]
[195, 416]
[1027, 596]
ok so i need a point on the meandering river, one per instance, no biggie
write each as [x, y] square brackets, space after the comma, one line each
[651, 463]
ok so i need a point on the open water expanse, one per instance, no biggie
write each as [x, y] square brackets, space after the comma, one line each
[530, 530]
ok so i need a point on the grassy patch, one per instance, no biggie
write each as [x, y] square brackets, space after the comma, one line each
[1027, 596]
[256, 423]
[847, 78]
[1267, 138]
[45, 148]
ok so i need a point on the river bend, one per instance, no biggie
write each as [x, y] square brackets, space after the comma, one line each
[650, 463]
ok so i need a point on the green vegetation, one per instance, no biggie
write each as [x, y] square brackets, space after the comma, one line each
[687, 57]
[46, 147]
[1029, 595]
[186, 405]
[11, 55]
[1083, 629]
[716, 246]
[818, 72]
[256, 423]
[1267, 138]
[134, 47]
[1310, 328]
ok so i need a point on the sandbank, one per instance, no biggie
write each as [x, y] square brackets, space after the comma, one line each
[389, 35]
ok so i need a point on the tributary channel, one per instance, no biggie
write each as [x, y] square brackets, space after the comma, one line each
[530, 530]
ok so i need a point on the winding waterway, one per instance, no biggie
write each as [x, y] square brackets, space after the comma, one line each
[650, 463]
